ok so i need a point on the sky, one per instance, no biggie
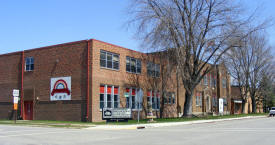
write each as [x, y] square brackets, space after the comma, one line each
[27, 24]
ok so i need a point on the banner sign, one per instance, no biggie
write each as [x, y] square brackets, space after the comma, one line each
[116, 113]
[60, 88]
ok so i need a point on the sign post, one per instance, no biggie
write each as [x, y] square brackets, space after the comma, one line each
[15, 94]
[140, 98]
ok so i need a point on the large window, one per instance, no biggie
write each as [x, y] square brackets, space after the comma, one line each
[133, 65]
[169, 98]
[153, 69]
[224, 83]
[132, 100]
[29, 64]
[198, 99]
[109, 60]
[153, 100]
[109, 96]
[205, 81]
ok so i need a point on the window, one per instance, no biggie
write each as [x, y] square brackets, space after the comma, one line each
[214, 101]
[133, 65]
[109, 96]
[153, 69]
[205, 81]
[132, 100]
[224, 102]
[198, 99]
[224, 83]
[153, 100]
[29, 64]
[109, 60]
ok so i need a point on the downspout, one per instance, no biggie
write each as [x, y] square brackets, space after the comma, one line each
[88, 78]
[22, 85]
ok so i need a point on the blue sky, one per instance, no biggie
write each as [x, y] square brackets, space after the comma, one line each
[35, 23]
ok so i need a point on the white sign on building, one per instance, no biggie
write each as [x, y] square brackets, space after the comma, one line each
[221, 105]
[60, 88]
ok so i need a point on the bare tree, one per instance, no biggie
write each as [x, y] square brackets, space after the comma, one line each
[196, 30]
[247, 64]
[155, 80]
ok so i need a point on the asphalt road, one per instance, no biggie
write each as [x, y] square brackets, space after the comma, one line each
[260, 131]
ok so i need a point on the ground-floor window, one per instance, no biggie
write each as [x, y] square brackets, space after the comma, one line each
[198, 99]
[109, 96]
[153, 100]
[132, 100]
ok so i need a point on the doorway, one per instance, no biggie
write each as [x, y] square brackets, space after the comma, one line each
[28, 110]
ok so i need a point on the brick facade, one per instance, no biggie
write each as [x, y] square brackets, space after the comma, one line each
[70, 59]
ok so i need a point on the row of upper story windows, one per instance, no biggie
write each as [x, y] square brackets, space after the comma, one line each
[110, 60]
[212, 81]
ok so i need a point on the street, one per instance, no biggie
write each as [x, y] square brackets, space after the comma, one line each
[260, 131]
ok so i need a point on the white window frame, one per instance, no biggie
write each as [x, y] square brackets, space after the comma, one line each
[156, 100]
[205, 81]
[154, 68]
[198, 99]
[136, 66]
[112, 96]
[131, 101]
[106, 60]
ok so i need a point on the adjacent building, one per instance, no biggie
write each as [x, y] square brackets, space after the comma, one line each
[74, 81]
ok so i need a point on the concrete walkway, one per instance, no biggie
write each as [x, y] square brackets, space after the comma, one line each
[153, 125]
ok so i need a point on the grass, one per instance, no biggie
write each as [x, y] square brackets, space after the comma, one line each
[79, 125]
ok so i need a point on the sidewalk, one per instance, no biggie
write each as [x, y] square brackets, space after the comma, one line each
[154, 125]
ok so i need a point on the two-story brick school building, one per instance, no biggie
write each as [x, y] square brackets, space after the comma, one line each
[74, 81]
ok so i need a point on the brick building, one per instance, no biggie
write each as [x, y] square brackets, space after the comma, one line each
[89, 75]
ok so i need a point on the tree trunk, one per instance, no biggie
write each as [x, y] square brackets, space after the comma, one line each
[187, 112]
[253, 104]
[243, 106]
[161, 105]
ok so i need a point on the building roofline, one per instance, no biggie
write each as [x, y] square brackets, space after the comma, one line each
[67, 43]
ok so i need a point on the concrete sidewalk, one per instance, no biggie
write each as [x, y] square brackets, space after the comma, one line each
[153, 125]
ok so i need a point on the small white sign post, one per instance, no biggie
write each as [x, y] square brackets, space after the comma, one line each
[15, 94]
[139, 100]
[221, 106]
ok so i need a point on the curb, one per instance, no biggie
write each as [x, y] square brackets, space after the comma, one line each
[155, 125]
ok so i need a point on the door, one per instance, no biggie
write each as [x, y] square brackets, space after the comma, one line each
[28, 110]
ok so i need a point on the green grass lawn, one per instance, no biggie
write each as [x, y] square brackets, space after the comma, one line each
[74, 124]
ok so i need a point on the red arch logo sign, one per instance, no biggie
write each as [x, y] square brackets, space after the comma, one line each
[60, 86]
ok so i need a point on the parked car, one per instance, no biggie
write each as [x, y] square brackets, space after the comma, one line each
[272, 111]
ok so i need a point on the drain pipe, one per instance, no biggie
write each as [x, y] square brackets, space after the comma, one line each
[22, 84]
[88, 79]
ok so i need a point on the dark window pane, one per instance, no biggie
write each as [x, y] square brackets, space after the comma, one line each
[109, 57]
[157, 70]
[138, 66]
[116, 65]
[109, 104]
[133, 102]
[102, 55]
[103, 63]
[128, 64]
[109, 64]
[128, 102]
[115, 104]
[109, 97]
[133, 65]
[101, 105]
[115, 98]
[32, 67]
